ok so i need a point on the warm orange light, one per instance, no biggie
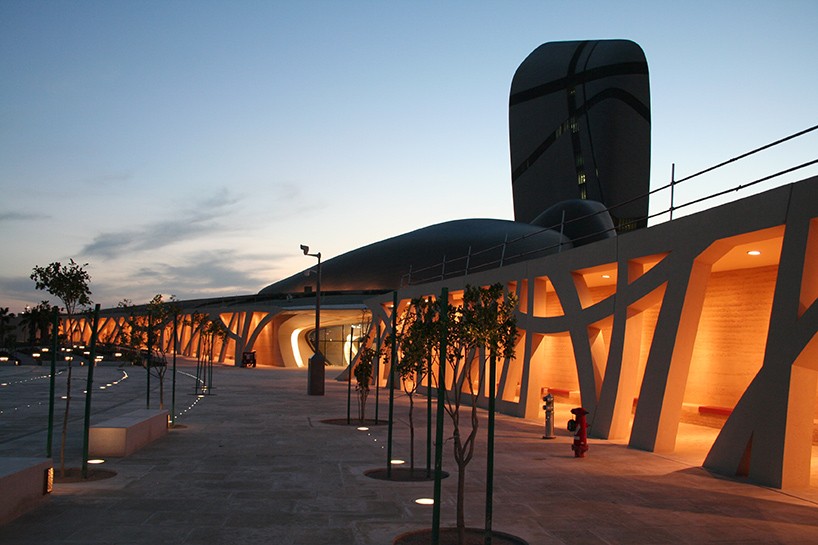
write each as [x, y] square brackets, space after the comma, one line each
[753, 252]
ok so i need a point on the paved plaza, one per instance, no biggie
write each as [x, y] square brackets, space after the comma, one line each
[254, 463]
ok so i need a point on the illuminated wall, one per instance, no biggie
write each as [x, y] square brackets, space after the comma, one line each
[676, 316]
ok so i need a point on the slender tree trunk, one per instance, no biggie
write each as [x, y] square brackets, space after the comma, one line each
[362, 397]
[461, 494]
[161, 389]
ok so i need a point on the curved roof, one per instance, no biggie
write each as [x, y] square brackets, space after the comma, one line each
[383, 265]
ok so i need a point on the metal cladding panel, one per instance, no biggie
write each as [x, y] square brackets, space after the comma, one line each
[579, 122]
[473, 244]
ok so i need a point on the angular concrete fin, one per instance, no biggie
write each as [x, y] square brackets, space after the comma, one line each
[743, 469]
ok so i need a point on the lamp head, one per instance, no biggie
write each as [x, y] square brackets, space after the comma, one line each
[305, 249]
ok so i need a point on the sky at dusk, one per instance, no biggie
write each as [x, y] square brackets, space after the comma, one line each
[189, 147]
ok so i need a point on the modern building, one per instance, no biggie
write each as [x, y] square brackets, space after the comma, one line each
[712, 315]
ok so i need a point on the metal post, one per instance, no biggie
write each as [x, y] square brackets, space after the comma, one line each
[55, 325]
[562, 229]
[210, 365]
[148, 362]
[89, 387]
[441, 387]
[392, 382]
[429, 416]
[672, 187]
[377, 370]
[315, 366]
[349, 379]
[490, 445]
[173, 377]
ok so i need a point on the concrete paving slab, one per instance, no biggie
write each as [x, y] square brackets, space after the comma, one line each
[254, 463]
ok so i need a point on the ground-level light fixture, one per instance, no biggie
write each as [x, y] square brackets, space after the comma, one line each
[48, 481]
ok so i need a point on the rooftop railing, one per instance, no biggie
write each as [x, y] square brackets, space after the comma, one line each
[460, 265]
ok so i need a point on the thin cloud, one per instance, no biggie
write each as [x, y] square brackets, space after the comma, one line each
[107, 178]
[202, 274]
[20, 288]
[206, 270]
[196, 222]
[20, 216]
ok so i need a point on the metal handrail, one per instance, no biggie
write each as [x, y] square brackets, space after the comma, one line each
[443, 273]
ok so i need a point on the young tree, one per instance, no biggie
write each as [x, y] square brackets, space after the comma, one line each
[146, 333]
[161, 314]
[415, 338]
[210, 331]
[484, 325]
[68, 283]
[363, 378]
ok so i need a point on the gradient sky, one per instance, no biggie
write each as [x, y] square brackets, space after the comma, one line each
[189, 147]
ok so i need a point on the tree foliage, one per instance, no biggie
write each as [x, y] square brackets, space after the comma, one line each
[69, 283]
[416, 336]
[363, 378]
[147, 335]
[6, 339]
[37, 321]
[482, 325]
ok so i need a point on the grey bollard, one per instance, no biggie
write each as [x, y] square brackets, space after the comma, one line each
[549, 417]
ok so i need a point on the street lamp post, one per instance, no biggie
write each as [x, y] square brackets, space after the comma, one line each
[315, 367]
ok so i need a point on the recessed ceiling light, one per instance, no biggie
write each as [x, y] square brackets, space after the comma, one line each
[754, 252]
[425, 501]
[606, 276]
[397, 462]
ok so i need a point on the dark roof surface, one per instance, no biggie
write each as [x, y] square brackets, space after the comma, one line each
[386, 264]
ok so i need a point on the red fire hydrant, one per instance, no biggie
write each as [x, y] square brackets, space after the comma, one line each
[580, 426]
